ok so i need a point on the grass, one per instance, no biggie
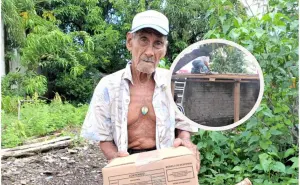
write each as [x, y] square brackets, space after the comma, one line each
[38, 119]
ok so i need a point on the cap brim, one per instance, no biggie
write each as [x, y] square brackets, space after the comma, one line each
[157, 28]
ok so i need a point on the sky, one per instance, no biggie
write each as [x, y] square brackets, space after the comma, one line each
[255, 7]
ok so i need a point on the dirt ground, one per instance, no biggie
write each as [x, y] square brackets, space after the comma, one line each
[79, 165]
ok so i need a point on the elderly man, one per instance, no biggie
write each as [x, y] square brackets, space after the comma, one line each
[130, 111]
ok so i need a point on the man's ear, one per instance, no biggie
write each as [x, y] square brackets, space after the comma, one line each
[129, 37]
[165, 51]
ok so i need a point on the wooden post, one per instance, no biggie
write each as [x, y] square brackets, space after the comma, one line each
[237, 93]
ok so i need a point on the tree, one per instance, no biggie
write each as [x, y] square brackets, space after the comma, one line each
[227, 59]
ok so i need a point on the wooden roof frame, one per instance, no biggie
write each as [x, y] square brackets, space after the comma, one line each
[244, 78]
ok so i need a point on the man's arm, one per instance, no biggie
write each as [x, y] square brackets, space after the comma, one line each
[97, 125]
[110, 150]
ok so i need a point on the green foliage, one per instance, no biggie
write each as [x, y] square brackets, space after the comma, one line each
[20, 84]
[74, 43]
[13, 23]
[38, 119]
[70, 40]
[65, 41]
[164, 63]
[264, 149]
[77, 90]
[12, 135]
[9, 104]
[228, 158]
[228, 59]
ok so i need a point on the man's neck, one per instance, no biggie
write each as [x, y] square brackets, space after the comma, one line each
[141, 78]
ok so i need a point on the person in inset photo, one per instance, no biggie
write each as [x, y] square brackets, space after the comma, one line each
[201, 65]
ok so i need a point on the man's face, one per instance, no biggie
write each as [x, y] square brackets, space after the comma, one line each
[147, 47]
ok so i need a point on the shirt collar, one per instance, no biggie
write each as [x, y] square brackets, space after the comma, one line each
[128, 75]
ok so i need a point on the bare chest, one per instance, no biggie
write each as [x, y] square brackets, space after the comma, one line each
[141, 98]
[141, 127]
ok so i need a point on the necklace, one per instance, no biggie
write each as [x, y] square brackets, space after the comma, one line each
[144, 108]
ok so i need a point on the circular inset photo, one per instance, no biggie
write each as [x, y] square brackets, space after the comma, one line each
[216, 84]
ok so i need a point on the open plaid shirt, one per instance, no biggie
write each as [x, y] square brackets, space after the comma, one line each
[106, 119]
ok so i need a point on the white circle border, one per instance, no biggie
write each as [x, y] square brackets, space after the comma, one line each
[196, 46]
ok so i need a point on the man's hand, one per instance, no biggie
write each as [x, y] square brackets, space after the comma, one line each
[187, 143]
[119, 154]
[110, 150]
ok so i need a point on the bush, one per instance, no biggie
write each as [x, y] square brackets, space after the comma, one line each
[38, 119]
[228, 158]
[265, 148]
[9, 104]
[20, 84]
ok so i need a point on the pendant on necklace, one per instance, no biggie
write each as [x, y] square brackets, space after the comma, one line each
[144, 110]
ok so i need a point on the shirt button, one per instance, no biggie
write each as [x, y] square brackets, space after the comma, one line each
[127, 101]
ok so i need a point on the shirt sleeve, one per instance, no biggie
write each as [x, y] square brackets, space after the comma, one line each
[97, 125]
[182, 124]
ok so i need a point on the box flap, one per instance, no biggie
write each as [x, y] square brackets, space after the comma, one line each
[151, 156]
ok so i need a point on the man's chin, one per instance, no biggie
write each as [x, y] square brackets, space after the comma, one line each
[146, 67]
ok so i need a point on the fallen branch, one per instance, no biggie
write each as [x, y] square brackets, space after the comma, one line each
[32, 149]
[36, 139]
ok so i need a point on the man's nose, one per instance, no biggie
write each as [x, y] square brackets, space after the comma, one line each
[149, 51]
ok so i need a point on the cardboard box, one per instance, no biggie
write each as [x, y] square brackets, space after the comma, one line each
[170, 166]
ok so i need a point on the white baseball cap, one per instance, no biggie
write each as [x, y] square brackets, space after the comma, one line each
[150, 19]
